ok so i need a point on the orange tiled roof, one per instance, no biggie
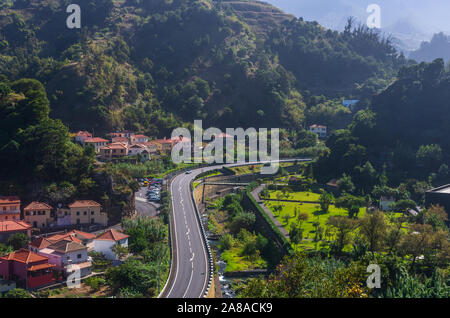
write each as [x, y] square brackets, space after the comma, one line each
[9, 200]
[96, 140]
[24, 256]
[112, 235]
[13, 225]
[81, 234]
[41, 266]
[83, 204]
[140, 136]
[83, 133]
[38, 206]
[63, 237]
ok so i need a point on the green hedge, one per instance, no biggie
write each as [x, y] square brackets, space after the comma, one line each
[287, 246]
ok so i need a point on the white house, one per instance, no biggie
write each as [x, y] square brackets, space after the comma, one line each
[386, 203]
[136, 149]
[106, 241]
[320, 130]
[82, 135]
[139, 138]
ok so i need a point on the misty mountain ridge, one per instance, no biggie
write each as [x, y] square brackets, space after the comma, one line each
[438, 47]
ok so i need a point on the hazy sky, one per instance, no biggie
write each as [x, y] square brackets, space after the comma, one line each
[428, 16]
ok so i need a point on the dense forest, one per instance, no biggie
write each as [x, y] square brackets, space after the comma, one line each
[154, 65]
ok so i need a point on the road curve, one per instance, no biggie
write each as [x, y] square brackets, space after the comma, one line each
[190, 264]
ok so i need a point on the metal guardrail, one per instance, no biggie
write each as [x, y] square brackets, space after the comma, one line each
[205, 241]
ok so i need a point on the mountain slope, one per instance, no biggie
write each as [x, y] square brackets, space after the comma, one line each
[152, 65]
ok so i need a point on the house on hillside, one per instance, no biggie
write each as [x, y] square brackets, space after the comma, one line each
[11, 227]
[9, 208]
[165, 145]
[30, 270]
[81, 136]
[320, 130]
[106, 241]
[38, 214]
[439, 196]
[123, 140]
[96, 142]
[114, 150]
[136, 149]
[64, 254]
[87, 212]
[125, 133]
[139, 138]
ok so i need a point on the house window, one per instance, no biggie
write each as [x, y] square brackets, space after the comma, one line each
[43, 212]
[92, 221]
[78, 212]
[92, 212]
[79, 256]
[84, 213]
[78, 221]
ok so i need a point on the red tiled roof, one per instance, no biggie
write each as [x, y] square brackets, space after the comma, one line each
[9, 200]
[63, 237]
[140, 136]
[83, 204]
[13, 225]
[317, 126]
[83, 133]
[96, 140]
[112, 235]
[24, 256]
[38, 206]
[83, 235]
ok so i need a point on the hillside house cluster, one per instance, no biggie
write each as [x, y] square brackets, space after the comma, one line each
[48, 260]
[127, 143]
[42, 215]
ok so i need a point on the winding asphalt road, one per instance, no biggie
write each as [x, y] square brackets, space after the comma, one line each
[190, 265]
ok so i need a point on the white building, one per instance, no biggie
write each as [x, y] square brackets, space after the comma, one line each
[106, 241]
[320, 130]
[136, 149]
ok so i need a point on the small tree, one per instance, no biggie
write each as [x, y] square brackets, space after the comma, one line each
[373, 228]
[286, 218]
[343, 226]
[345, 184]
[326, 199]
[120, 251]
[18, 241]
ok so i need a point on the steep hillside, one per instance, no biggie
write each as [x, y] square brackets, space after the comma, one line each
[153, 65]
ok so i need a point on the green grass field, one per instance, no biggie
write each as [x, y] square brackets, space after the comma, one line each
[236, 262]
[296, 196]
[314, 215]
[240, 170]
